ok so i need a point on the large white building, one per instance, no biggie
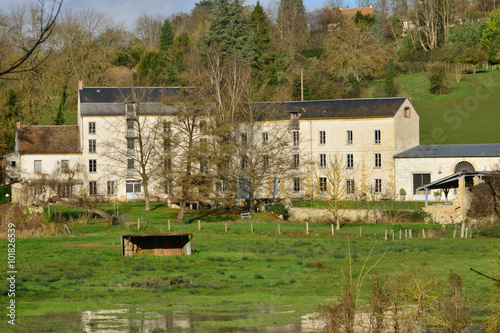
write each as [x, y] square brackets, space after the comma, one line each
[376, 140]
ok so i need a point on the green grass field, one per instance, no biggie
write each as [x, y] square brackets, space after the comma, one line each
[236, 279]
[467, 114]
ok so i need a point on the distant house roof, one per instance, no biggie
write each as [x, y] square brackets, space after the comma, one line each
[336, 109]
[49, 140]
[353, 11]
[468, 150]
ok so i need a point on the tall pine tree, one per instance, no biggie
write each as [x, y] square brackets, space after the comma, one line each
[229, 31]
[260, 26]
[166, 36]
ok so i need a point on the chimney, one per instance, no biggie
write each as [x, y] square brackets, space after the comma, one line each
[18, 125]
[80, 84]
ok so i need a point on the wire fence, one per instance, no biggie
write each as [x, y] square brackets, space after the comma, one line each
[379, 205]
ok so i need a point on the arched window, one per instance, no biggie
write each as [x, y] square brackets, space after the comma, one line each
[464, 166]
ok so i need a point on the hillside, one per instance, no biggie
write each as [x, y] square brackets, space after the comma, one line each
[469, 113]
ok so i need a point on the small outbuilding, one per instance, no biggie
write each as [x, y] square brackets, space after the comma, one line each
[170, 244]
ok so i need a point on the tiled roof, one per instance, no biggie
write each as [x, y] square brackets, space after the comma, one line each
[337, 108]
[353, 11]
[468, 150]
[49, 140]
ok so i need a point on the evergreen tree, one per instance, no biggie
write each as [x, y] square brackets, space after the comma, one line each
[260, 25]
[166, 36]
[60, 110]
[229, 30]
[389, 79]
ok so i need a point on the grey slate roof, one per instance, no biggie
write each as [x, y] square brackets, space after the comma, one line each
[468, 150]
[99, 101]
[337, 108]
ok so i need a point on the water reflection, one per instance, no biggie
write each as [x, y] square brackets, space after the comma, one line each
[129, 320]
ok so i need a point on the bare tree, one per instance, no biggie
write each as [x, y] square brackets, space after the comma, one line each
[335, 181]
[132, 147]
[29, 38]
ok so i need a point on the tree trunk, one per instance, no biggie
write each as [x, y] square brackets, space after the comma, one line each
[146, 195]
[337, 220]
[182, 209]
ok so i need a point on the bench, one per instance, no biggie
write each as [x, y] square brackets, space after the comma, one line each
[246, 216]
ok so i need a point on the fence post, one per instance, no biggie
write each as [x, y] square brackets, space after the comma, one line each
[333, 230]
[406, 233]
[279, 229]
[462, 230]
[169, 225]
[251, 227]
[138, 223]
[411, 235]
[400, 232]
[385, 234]
[466, 232]
[307, 228]
[392, 231]
[199, 225]
[454, 233]
[423, 233]
[225, 226]
[360, 232]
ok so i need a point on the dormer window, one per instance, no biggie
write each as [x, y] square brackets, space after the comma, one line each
[130, 110]
[294, 120]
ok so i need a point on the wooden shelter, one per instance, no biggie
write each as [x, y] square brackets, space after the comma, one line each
[157, 244]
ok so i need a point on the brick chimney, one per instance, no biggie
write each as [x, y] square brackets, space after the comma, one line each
[80, 84]
[18, 125]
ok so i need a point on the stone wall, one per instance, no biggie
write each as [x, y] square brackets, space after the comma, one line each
[299, 214]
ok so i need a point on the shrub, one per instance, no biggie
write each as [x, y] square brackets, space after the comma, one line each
[280, 209]
[438, 86]
[490, 231]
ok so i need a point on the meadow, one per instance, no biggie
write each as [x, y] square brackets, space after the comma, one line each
[238, 280]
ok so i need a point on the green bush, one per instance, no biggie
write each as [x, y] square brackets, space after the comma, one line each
[280, 209]
[437, 80]
[4, 191]
[492, 230]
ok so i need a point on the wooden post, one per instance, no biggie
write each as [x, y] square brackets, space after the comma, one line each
[392, 231]
[462, 230]
[168, 225]
[400, 231]
[199, 225]
[406, 233]
[279, 229]
[251, 227]
[307, 228]
[466, 232]
[138, 223]
[225, 226]
[454, 233]
[411, 235]
[423, 233]
[385, 234]
[333, 230]
[67, 229]
[360, 232]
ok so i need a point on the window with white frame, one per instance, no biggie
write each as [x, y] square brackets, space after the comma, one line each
[350, 186]
[38, 166]
[295, 140]
[322, 184]
[92, 166]
[93, 187]
[378, 137]
[130, 165]
[130, 147]
[296, 184]
[130, 128]
[296, 161]
[322, 137]
[92, 146]
[349, 137]
[378, 160]
[111, 186]
[350, 160]
[378, 185]
[92, 127]
[265, 138]
[322, 160]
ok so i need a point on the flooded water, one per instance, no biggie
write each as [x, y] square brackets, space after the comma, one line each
[128, 321]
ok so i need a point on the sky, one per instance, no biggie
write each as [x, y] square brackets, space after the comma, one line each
[127, 11]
